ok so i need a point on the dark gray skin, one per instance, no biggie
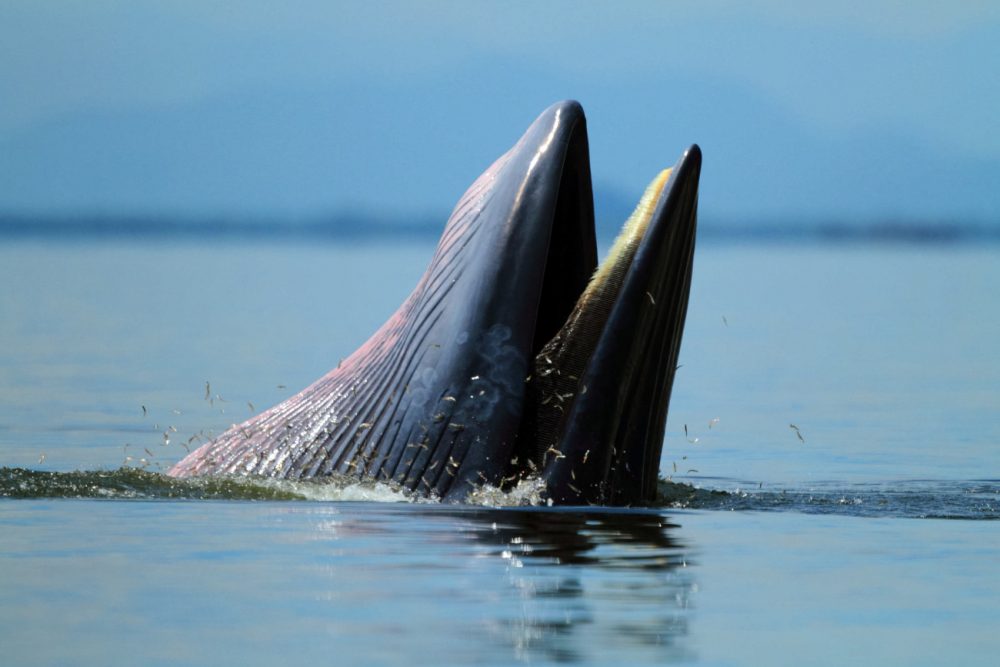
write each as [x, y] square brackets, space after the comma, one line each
[444, 397]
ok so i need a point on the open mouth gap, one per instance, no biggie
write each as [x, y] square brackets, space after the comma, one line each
[577, 301]
[572, 253]
[572, 315]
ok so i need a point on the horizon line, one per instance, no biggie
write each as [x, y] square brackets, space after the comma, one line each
[354, 227]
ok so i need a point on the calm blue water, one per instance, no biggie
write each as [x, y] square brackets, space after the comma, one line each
[862, 542]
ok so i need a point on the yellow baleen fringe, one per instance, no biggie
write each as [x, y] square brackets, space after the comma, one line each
[632, 231]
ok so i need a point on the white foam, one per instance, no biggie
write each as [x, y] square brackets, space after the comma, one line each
[529, 491]
[351, 491]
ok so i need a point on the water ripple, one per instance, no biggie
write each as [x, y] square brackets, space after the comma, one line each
[924, 499]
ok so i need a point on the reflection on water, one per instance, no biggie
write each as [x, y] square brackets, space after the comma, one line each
[566, 586]
[605, 538]
[639, 562]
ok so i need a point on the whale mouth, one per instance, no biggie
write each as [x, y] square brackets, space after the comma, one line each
[604, 356]
[514, 354]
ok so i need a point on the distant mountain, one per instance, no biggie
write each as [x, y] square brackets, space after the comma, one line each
[408, 151]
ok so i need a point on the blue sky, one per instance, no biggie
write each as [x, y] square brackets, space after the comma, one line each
[856, 112]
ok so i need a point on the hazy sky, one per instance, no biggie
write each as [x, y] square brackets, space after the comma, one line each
[864, 110]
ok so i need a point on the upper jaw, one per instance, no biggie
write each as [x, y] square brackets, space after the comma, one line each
[534, 251]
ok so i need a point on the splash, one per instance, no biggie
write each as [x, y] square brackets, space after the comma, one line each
[529, 492]
[128, 483]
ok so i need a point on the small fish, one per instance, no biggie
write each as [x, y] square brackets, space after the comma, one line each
[144, 411]
[797, 432]
[651, 299]
[41, 459]
[250, 405]
[151, 454]
[725, 321]
[585, 455]
[208, 390]
[713, 422]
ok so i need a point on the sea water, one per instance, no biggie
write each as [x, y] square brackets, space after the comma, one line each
[845, 397]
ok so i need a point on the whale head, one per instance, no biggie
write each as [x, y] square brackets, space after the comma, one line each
[516, 355]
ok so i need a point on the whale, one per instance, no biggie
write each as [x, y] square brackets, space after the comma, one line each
[516, 356]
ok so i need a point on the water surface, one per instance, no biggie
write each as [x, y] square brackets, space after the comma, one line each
[865, 540]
